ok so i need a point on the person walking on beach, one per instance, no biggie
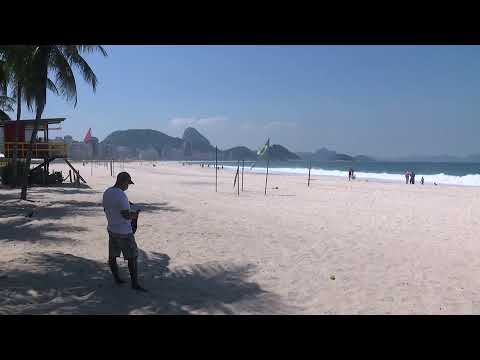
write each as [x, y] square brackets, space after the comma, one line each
[412, 178]
[422, 180]
[120, 233]
[350, 174]
[407, 176]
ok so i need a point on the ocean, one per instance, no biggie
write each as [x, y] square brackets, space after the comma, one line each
[467, 174]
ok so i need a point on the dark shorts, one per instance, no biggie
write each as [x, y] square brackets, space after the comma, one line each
[122, 244]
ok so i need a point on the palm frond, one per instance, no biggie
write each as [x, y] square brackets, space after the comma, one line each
[92, 48]
[4, 116]
[88, 75]
[64, 77]
[51, 86]
[7, 103]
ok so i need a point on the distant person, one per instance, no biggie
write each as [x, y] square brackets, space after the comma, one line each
[222, 166]
[412, 177]
[407, 176]
[350, 174]
[120, 233]
[422, 180]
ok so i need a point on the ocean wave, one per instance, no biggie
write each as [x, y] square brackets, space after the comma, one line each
[467, 180]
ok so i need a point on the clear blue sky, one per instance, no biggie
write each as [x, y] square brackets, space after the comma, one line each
[374, 100]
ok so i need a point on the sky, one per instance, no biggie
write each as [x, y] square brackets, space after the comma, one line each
[383, 101]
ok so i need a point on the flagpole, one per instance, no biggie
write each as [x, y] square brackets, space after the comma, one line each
[266, 177]
[243, 165]
[309, 168]
[238, 172]
[216, 169]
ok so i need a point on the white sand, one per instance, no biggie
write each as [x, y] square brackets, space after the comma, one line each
[393, 248]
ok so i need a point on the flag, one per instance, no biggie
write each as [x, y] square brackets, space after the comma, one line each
[263, 152]
[88, 136]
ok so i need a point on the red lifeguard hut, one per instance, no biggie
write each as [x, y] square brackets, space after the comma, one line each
[44, 148]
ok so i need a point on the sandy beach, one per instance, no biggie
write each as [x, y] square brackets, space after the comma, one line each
[338, 247]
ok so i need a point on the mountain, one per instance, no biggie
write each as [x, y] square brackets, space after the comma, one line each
[363, 158]
[324, 154]
[239, 153]
[281, 153]
[151, 144]
[141, 139]
[198, 142]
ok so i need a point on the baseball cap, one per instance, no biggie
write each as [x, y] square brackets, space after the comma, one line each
[124, 177]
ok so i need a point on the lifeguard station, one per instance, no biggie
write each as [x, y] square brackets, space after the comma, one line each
[44, 149]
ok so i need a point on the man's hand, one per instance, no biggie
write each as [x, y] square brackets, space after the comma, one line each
[129, 215]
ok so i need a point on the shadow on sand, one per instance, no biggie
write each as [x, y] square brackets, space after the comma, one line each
[23, 230]
[60, 283]
[152, 207]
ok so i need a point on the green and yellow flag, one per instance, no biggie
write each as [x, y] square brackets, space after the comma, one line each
[264, 151]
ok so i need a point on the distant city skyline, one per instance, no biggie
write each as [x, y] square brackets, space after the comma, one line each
[382, 101]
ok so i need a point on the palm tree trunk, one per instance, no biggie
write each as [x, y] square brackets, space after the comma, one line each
[38, 116]
[15, 145]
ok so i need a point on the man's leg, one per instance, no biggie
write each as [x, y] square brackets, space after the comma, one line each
[133, 268]
[130, 251]
[113, 252]
[112, 262]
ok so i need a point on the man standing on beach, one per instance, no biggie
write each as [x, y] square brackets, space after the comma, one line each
[120, 234]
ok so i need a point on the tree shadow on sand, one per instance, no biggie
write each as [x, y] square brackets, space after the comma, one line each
[54, 210]
[21, 229]
[152, 207]
[63, 189]
[61, 283]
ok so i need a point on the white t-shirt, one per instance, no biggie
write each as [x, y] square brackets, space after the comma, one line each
[114, 201]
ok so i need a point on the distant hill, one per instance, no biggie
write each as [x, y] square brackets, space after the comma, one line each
[363, 158]
[198, 142]
[192, 146]
[281, 153]
[141, 139]
[324, 154]
[239, 153]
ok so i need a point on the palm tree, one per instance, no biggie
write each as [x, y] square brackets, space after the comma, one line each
[60, 61]
[6, 102]
[14, 59]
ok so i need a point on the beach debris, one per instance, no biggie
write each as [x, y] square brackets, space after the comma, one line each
[332, 277]
[275, 188]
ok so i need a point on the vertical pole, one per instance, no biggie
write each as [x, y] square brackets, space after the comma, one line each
[44, 179]
[309, 168]
[70, 175]
[266, 177]
[216, 168]
[238, 174]
[243, 165]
